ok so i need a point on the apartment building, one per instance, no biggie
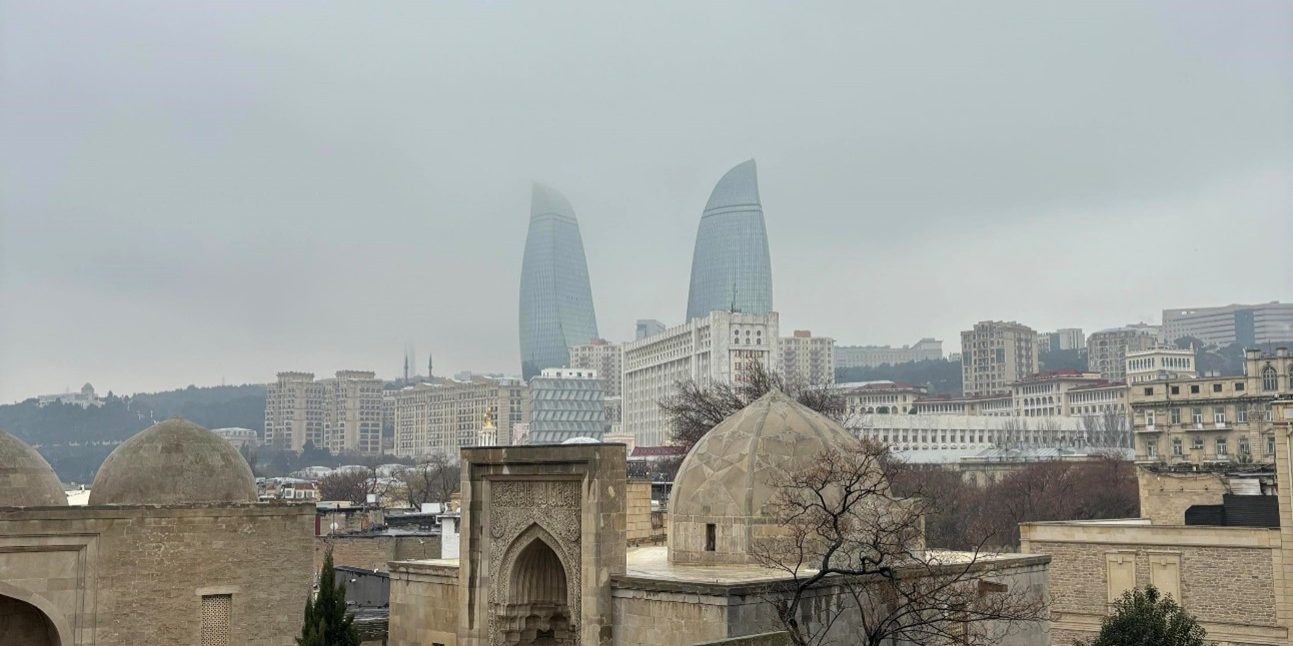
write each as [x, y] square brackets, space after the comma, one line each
[341, 414]
[1203, 420]
[807, 359]
[715, 348]
[606, 358]
[919, 433]
[1065, 338]
[1246, 325]
[443, 415]
[1106, 350]
[870, 356]
[995, 354]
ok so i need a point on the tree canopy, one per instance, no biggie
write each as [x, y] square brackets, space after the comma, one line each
[1145, 617]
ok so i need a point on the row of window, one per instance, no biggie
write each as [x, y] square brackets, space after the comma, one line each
[1218, 415]
[1221, 446]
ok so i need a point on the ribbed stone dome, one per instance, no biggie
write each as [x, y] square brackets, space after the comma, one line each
[723, 481]
[173, 462]
[26, 479]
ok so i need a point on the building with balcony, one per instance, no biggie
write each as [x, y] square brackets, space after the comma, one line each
[441, 416]
[995, 354]
[604, 357]
[1210, 420]
[882, 397]
[807, 359]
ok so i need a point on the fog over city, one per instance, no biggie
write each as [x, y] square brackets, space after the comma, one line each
[196, 192]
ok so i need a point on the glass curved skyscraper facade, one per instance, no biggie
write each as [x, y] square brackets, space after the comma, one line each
[731, 268]
[556, 299]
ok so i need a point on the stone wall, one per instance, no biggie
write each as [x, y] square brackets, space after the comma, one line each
[1164, 497]
[424, 604]
[655, 611]
[642, 526]
[131, 575]
[374, 552]
[1227, 575]
[765, 639]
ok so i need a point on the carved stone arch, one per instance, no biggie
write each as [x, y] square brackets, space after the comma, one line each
[537, 599]
[62, 633]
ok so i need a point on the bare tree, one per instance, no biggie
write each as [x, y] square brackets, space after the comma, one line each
[693, 408]
[434, 480]
[844, 532]
[352, 484]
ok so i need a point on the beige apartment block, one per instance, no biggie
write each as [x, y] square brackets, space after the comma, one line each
[1215, 420]
[604, 357]
[807, 359]
[996, 354]
[1106, 350]
[342, 414]
[442, 416]
[882, 397]
[1160, 364]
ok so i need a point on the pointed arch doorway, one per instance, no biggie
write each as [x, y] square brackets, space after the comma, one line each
[535, 608]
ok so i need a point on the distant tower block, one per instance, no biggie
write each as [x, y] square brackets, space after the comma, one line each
[731, 268]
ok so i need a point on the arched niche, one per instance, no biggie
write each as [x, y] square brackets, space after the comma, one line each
[537, 606]
[24, 623]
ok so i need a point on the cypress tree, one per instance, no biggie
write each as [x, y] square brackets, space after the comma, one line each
[326, 621]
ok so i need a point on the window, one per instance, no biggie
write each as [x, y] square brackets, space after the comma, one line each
[1239, 386]
[1176, 390]
[1197, 414]
[1244, 448]
[1176, 416]
[1222, 447]
[1216, 388]
[217, 610]
[1194, 389]
[1151, 449]
[1198, 443]
[1149, 390]
[1219, 414]
[1241, 414]
[1149, 418]
[1270, 444]
[710, 537]
[1270, 380]
[1177, 449]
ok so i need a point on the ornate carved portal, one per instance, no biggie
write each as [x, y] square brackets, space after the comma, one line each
[535, 555]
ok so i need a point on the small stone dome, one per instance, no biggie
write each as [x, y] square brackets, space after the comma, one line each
[170, 463]
[721, 491]
[26, 479]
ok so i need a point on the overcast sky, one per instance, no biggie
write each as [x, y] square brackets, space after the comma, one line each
[193, 192]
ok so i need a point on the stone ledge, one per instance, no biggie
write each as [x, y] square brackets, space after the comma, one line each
[156, 511]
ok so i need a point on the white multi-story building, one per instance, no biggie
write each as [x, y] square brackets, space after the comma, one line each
[807, 359]
[603, 356]
[1106, 350]
[85, 398]
[870, 356]
[944, 432]
[441, 416]
[995, 354]
[566, 403]
[342, 414]
[1246, 325]
[1159, 364]
[238, 436]
[883, 397]
[716, 348]
[1065, 338]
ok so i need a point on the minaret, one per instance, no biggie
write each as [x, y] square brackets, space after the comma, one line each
[488, 431]
[406, 368]
[429, 364]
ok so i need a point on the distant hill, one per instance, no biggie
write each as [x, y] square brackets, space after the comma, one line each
[939, 375]
[75, 440]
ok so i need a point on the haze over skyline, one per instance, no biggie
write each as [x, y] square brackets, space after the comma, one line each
[190, 194]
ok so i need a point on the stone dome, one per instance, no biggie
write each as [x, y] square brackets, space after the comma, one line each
[170, 463]
[26, 479]
[721, 491]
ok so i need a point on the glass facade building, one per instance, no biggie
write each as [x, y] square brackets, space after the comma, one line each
[556, 299]
[565, 404]
[731, 269]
